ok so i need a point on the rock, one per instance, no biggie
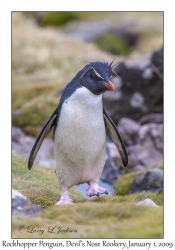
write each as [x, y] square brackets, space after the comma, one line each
[157, 57]
[21, 206]
[110, 173]
[22, 145]
[144, 143]
[142, 155]
[151, 118]
[147, 202]
[151, 135]
[138, 168]
[126, 33]
[152, 181]
[139, 88]
[128, 129]
[90, 31]
[87, 31]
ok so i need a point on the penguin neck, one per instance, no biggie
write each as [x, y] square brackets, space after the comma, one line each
[85, 98]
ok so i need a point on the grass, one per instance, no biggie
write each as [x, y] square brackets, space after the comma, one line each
[30, 183]
[104, 217]
[95, 221]
[114, 44]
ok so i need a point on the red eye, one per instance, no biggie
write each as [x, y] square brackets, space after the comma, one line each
[93, 77]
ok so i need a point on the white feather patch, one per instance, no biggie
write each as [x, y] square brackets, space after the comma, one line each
[80, 139]
[97, 74]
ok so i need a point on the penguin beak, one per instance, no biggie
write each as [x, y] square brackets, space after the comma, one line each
[109, 85]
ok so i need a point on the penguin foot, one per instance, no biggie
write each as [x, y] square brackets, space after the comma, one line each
[65, 199]
[64, 202]
[95, 189]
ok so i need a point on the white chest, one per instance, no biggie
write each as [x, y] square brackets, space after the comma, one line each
[80, 137]
[81, 119]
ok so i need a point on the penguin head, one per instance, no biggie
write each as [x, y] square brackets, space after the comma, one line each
[95, 76]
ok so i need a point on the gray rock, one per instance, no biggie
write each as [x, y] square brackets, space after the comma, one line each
[128, 129]
[144, 143]
[127, 33]
[147, 73]
[110, 173]
[142, 155]
[152, 181]
[21, 206]
[141, 90]
[137, 100]
[22, 145]
[138, 168]
[151, 118]
[147, 202]
[87, 31]
[151, 135]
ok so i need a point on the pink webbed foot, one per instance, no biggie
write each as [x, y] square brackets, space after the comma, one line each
[65, 199]
[64, 202]
[95, 189]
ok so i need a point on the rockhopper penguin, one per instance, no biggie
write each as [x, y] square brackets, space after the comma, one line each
[80, 125]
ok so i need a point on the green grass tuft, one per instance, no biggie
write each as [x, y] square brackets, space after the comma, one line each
[58, 18]
[113, 44]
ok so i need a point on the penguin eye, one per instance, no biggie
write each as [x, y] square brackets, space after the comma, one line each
[93, 77]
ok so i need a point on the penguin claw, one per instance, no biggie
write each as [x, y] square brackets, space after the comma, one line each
[95, 189]
[97, 194]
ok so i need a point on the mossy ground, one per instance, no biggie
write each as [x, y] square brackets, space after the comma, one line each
[104, 217]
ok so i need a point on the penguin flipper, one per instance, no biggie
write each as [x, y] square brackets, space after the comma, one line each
[115, 136]
[39, 140]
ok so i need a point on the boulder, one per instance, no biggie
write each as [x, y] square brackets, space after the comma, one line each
[128, 129]
[151, 181]
[138, 88]
[110, 172]
[142, 155]
[147, 202]
[151, 136]
[21, 206]
[151, 118]
[113, 162]
[144, 144]
[22, 145]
